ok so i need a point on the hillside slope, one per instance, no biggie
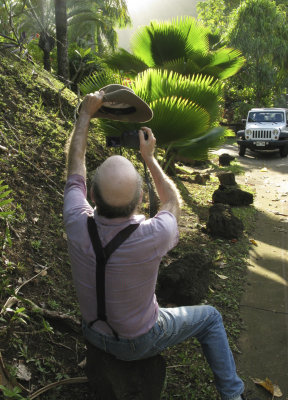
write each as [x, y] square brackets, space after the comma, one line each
[35, 121]
[39, 326]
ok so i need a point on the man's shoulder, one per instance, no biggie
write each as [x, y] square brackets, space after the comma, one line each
[75, 202]
[163, 221]
[165, 216]
[73, 182]
[162, 231]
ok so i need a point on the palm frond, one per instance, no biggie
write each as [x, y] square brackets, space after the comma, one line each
[76, 12]
[126, 62]
[98, 80]
[202, 90]
[159, 42]
[196, 35]
[197, 149]
[229, 60]
[176, 119]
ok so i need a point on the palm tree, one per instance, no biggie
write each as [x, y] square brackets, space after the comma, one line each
[181, 46]
[93, 23]
[38, 17]
[61, 36]
[90, 22]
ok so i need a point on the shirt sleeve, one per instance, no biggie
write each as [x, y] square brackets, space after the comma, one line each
[165, 232]
[76, 206]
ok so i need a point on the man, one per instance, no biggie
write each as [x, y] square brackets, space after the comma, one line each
[135, 328]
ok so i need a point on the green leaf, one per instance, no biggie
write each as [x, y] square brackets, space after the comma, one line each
[155, 84]
[98, 80]
[197, 149]
[127, 62]
[176, 119]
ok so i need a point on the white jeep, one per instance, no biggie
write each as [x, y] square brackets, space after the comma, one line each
[265, 129]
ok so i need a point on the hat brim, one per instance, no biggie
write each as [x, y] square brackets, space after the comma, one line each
[138, 110]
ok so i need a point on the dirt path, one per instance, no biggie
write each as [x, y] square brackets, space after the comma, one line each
[264, 306]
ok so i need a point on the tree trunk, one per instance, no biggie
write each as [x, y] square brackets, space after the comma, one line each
[62, 43]
[46, 44]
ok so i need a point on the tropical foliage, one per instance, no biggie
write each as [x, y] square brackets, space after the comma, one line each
[172, 68]
[90, 23]
[259, 29]
[185, 110]
[216, 14]
[181, 46]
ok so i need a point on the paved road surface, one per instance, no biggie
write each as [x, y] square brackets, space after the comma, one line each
[264, 306]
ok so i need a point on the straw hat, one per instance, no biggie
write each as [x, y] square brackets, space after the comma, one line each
[122, 104]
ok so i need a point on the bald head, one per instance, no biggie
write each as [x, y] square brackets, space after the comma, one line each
[116, 185]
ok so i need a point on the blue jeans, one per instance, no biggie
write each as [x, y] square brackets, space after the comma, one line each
[174, 325]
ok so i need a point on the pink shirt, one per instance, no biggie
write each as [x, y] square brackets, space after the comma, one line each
[131, 271]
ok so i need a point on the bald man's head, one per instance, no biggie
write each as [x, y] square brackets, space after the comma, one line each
[116, 187]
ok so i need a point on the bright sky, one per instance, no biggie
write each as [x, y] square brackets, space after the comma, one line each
[143, 11]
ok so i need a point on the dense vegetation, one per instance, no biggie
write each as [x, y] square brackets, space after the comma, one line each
[259, 29]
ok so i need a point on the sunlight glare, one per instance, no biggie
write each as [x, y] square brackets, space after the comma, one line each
[137, 5]
[256, 269]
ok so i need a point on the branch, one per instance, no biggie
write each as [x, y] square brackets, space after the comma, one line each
[72, 322]
[6, 379]
[12, 299]
[9, 38]
[69, 381]
[9, 11]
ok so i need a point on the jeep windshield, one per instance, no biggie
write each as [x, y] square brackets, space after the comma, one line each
[265, 116]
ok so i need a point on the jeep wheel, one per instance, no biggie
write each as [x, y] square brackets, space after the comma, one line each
[283, 151]
[242, 150]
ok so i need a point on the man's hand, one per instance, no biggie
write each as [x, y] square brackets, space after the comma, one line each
[147, 145]
[91, 104]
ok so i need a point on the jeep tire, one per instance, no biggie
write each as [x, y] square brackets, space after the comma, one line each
[242, 150]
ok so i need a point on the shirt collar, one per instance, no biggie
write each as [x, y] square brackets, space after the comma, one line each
[118, 221]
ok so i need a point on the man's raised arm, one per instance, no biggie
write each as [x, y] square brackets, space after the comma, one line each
[169, 196]
[77, 142]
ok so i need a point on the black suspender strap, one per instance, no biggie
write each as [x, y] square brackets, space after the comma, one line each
[102, 256]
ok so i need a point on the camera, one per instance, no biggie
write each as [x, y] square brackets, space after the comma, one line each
[128, 139]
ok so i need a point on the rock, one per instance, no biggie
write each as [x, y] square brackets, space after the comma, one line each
[232, 196]
[223, 223]
[226, 178]
[225, 159]
[114, 379]
[201, 179]
[184, 281]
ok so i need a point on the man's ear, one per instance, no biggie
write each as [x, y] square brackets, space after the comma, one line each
[141, 197]
[92, 196]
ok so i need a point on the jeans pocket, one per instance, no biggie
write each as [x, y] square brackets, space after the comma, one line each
[162, 325]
